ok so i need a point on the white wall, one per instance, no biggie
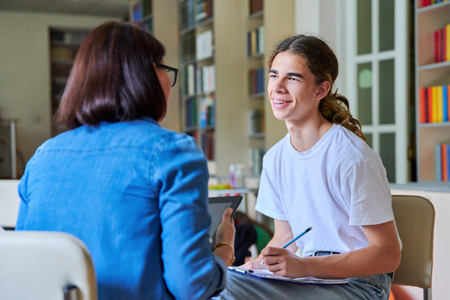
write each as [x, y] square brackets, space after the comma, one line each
[25, 72]
[325, 19]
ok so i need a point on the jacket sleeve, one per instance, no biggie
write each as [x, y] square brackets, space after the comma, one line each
[191, 270]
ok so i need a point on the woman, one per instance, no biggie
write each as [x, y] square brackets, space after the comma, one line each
[321, 174]
[133, 192]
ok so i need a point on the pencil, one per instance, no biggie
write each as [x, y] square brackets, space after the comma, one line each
[296, 238]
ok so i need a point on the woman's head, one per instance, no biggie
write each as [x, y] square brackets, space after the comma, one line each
[115, 78]
[321, 62]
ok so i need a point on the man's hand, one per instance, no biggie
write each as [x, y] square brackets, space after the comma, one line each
[283, 262]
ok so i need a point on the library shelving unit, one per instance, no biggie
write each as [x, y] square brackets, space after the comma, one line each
[141, 13]
[240, 118]
[64, 44]
[256, 85]
[159, 18]
[431, 71]
[198, 74]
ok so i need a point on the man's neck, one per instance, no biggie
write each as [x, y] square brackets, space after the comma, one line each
[304, 136]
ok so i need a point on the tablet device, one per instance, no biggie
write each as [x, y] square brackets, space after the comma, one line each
[217, 206]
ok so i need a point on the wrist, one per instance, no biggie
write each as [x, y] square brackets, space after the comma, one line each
[220, 246]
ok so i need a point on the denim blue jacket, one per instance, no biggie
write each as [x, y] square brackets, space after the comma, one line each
[136, 195]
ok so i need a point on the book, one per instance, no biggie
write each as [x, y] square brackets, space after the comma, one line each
[447, 39]
[444, 162]
[440, 105]
[260, 31]
[435, 104]
[438, 163]
[422, 105]
[448, 161]
[444, 43]
[436, 46]
[267, 275]
[430, 104]
[256, 160]
[448, 104]
[445, 103]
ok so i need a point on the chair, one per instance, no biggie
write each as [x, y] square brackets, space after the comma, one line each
[45, 265]
[9, 203]
[414, 216]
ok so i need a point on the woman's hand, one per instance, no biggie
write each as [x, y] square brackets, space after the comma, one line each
[225, 234]
[226, 230]
[282, 262]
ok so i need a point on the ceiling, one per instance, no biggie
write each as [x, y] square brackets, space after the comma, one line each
[103, 8]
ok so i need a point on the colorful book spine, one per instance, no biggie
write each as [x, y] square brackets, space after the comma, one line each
[255, 41]
[444, 162]
[430, 104]
[448, 161]
[441, 44]
[445, 103]
[438, 163]
[422, 105]
[434, 104]
[440, 105]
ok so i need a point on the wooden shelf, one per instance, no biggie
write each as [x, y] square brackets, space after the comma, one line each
[433, 8]
[259, 14]
[257, 95]
[445, 64]
[257, 135]
[144, 19]
[63, 44]
[433, 125]
[191, 129]
[207, 22]
[186, 30]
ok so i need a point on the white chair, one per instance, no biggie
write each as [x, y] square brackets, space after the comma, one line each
[414, 216]
[45, 265]
[9, 203]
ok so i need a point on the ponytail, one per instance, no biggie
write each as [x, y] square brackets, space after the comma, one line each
[332, 108]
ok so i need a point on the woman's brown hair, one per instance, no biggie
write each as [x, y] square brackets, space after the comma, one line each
[113, 78]
[323, 64]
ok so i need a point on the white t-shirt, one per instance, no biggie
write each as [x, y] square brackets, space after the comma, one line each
[335, 187]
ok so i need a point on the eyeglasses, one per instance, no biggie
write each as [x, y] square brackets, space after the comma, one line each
[171, 72]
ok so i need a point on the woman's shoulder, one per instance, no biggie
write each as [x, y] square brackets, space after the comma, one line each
[144, 134]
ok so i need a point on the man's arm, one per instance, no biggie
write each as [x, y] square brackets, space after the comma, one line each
[381, 256]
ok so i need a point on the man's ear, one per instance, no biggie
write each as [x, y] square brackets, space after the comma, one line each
[323, 90]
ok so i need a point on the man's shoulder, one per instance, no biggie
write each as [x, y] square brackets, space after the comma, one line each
[352, 149]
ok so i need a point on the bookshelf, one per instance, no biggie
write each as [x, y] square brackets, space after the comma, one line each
[231, 133]
[256, 85]
[432, 79]
[198, 74]
[141, 13]
[8, 155]
[159, 18]
[64, 44]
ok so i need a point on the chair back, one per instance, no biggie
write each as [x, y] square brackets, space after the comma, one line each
[9, 203]
[42, 265]
[414, 216]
